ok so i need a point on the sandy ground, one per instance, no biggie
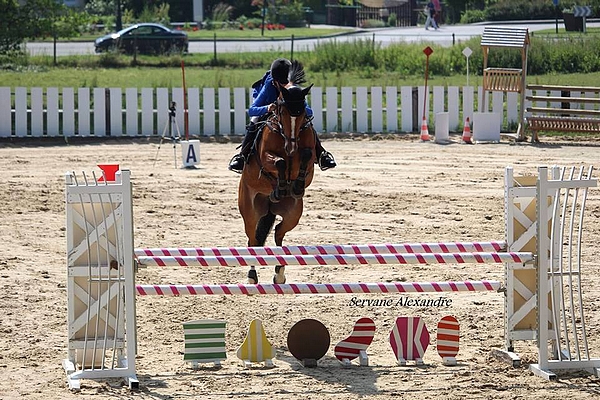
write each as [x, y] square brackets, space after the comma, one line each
[384, 190]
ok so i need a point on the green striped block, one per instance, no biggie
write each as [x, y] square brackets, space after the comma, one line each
[204, 341]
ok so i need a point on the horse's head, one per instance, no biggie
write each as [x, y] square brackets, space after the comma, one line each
[292, 115]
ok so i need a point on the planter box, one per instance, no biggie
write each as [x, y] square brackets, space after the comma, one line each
[573, 23]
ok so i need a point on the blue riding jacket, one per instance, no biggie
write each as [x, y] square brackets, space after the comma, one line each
[265, 95]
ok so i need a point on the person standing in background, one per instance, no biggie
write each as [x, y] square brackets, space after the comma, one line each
[430, 11]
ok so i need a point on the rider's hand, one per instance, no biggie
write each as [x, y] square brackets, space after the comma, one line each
[271, 107]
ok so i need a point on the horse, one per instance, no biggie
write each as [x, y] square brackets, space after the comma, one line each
[279, 170]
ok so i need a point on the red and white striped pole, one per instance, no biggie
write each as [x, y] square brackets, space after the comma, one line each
[336, 259]
[318, 288]
[384, 248]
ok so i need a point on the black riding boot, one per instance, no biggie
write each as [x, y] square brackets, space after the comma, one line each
[236, 164]
[324, 157]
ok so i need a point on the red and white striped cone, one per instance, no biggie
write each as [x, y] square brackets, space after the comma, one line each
[467, 135]
[424, 131]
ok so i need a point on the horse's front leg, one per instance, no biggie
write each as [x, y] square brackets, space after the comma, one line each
[281, 189]
[288, 222]
[300, 183]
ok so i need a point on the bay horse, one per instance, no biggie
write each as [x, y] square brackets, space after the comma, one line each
[279, 170]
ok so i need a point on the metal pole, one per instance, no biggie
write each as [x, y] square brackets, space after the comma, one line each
[215, 47]
[264, 13]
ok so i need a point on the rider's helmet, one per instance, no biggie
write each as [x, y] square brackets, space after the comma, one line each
[280, 70]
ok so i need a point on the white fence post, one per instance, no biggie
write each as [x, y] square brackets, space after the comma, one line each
[116, 112]
[37, 112]
[99, 112]
[148, 128]
[83, 112]
[316, 103]
[5, 112]
[391, 108]
[131, 111]
[68, 112]
[376, 109]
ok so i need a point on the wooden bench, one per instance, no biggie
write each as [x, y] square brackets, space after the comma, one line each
[564, 109]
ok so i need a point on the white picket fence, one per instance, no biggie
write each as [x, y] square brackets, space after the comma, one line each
[114, 112]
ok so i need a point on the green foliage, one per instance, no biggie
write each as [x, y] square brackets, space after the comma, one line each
[158, 14]
[473, 16]
[366, 59]
[520, 10]
[221, 12]
[291, 14]
[11, 33]
[372, 23]
[100, 7]
[392, 19]
[341, 56]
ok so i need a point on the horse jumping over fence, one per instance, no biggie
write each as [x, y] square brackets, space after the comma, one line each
[280, 169]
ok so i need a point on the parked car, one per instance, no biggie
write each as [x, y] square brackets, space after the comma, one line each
[148, 38]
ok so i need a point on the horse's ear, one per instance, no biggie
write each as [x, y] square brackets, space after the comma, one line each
[307, 89]
[283, 90]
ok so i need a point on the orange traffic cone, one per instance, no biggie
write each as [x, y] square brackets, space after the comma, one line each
[466, 137]
[424, 131]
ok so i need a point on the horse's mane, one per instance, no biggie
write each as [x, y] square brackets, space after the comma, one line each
[296, 75]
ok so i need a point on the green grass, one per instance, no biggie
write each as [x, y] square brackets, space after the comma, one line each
[563, 32]
[142, 77]
[233, 34]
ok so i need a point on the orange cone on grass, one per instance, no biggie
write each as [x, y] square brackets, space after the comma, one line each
[467, 135]
[424, 131]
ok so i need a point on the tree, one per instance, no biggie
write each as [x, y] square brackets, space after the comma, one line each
[49, 18]
[12, 35]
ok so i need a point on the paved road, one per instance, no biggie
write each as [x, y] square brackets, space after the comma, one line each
[445, 36]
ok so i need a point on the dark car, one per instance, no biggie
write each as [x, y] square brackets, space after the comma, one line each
[148, 38]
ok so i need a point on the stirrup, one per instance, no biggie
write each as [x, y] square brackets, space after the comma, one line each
[326, 161]
[236, 164]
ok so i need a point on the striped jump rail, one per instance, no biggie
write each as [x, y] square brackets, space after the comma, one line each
[318, 288]
[384, 248]
[336, 259]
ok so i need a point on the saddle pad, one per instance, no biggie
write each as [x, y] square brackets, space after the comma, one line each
[360, 338]
[256, 346]
[409, 338]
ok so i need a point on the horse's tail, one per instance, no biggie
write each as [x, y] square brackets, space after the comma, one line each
[264, 227]
[297, 75]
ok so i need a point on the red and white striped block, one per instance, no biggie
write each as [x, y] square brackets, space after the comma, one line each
[448, 336]
[384, 248]
[337, 259]
[356, 344]
[318, 288]
[409, 339]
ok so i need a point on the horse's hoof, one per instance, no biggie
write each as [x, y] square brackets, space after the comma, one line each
[297, 195]
[279, 277]
[273, 198]
[252, 277]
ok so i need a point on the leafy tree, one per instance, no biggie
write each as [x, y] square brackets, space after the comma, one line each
[51, 18]
[11, 21]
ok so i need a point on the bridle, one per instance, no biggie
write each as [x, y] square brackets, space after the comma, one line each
[297, 111]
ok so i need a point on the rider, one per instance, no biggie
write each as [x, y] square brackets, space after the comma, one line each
[265, 93]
